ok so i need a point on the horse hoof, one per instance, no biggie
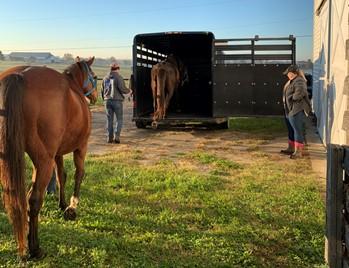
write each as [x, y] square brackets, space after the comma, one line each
[70, 214]
[63, 207]
[37, 255]
[154, 125]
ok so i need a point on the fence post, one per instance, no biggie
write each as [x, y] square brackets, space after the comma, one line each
[334, 206]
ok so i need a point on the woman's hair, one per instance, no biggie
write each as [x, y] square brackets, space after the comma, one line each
[301, 74]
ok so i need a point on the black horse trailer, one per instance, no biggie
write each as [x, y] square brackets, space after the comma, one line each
[227, 77]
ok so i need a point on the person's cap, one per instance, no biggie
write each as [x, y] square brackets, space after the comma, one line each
[114, 66]
[291, 69]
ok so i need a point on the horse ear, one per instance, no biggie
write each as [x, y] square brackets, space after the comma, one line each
[77, 59]
[90, 60]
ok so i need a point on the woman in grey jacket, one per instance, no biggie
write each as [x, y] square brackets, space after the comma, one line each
[297, 106]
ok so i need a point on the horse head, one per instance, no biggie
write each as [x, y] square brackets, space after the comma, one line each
[183, 70]
[81, 73]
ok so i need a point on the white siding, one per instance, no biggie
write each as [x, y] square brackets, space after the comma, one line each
[320, 50]
[329, 102]
[338, 69]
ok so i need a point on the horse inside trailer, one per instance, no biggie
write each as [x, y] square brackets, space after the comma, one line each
[194, 99]
[227, 77]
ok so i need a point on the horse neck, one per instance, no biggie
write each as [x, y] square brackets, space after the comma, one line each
[173, 60]
[179, 65]
[75, 85]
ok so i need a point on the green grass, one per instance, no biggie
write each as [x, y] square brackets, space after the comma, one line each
[262, 214]
[258, 125]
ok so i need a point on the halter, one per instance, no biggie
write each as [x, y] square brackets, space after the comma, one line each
[89, 79]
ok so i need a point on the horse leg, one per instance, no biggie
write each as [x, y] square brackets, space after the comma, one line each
[153, 89]
[167, 100]
[44, 169]
[62, 178]
[160, 93]
[159, 105]
[79, 158]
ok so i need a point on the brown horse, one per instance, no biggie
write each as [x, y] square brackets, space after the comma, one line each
[44, 113]
[166, 77]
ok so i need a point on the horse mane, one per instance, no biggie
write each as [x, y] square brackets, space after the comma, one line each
[71, 74]
[183, 75]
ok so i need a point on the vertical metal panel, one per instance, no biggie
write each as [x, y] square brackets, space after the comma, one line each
[232, 90]
[245, 89]
[267, 91]
[334, 205]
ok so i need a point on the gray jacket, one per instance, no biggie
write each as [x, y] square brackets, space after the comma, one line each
[295, 97]
[117, 89]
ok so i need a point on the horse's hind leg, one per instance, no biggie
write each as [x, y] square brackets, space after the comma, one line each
[79, 158]
[167, 100]
[61, 177]
[153, 89]
[44, 168]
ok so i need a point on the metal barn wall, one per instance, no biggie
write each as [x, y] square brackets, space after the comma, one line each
[330, 70]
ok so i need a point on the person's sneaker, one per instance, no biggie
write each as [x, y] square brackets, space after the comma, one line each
[116, 140]
[109, 140]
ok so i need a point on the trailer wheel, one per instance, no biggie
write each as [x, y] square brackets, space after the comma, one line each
[223, 125]
[141, 124]
[216, 126]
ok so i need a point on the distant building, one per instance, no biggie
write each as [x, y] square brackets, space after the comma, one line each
[330, 70]
[43, 57]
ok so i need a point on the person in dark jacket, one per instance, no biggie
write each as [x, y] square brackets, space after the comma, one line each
[113, 90]
[297, 106]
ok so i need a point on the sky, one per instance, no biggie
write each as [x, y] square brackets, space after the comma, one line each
[106, 28]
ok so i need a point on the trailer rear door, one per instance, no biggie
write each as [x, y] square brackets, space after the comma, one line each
[247, 75]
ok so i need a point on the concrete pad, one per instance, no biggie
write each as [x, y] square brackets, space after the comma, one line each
[316, 149]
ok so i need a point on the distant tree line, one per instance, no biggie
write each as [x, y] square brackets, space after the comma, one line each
[69, 58]
[305, 65]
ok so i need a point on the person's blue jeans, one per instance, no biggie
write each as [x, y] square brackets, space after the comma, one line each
[297, 122]
[114, 107]
[290, 130]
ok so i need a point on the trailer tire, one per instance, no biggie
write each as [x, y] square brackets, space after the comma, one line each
[223, 125]
[140, 124]
[216, 126]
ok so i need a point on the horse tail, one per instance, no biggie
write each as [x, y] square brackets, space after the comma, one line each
[161, 79]
[12, 161]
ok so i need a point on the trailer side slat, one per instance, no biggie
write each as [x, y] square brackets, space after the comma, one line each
[256, 57]
[256, 47]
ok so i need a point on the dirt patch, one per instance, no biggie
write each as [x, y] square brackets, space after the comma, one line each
[158, 144]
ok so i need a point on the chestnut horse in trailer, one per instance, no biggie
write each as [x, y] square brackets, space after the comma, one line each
[166, 77]
[44, 113]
